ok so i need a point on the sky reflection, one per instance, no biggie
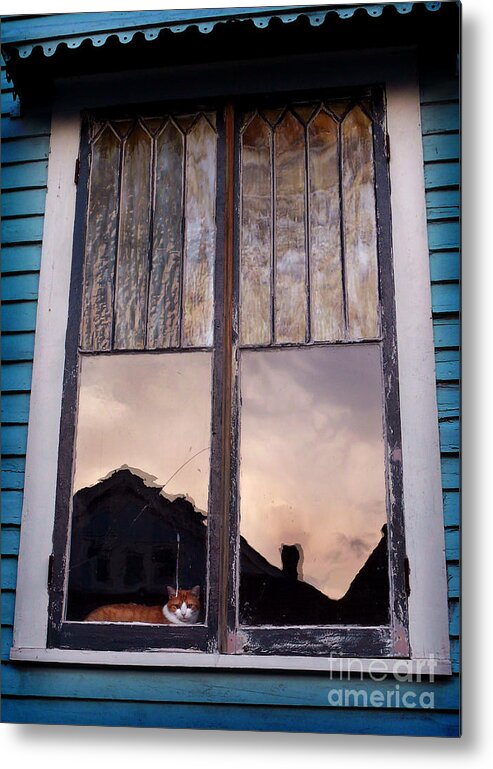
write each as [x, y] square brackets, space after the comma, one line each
[312, 459]
[148, 412]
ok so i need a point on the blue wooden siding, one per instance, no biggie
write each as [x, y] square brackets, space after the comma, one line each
[195, 699]
[441, 147]
[25, 145]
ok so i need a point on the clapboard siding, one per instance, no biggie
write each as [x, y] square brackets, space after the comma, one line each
[13, 469]
[444, 265]
[220, 700]
[441, 148]
[21, 258]
[18, 347]
[16, 377]
[25, 151]
[199, 686]
[15, 408]
[230, 717]
[19, 316]
[11, 507]
[18, 287]
[23, 202]
[10, 540]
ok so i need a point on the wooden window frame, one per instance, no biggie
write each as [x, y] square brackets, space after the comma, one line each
[201, 637]
[428, 626]
[390, 640]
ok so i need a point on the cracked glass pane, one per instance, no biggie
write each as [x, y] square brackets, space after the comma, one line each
[141, 482]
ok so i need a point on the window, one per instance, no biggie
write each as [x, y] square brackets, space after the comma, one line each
[233, 415]
[299, 380]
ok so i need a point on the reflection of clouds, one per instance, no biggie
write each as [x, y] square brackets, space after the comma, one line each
[312, 467]
[150, 412]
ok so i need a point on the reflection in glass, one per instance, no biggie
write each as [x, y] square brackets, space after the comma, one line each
[141, 479]
[290, 250]
[360, 231]
[200, 236]
[327, 310]
[256, 233]
[312, 487]
[151, 234]
[133, 245]
[163, 325]
[102, 223]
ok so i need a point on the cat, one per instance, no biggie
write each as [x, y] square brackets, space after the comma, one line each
[182, 608]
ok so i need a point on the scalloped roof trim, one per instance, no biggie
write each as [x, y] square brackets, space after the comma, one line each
[316, 17]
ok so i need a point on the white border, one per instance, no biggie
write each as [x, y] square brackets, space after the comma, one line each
[428, 615]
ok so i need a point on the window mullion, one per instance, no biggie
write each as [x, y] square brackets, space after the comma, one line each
[225, 350]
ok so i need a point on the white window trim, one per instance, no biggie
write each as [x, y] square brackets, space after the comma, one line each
[424, 530]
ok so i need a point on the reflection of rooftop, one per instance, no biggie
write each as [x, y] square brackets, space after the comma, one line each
[124, 543]
[125, 530]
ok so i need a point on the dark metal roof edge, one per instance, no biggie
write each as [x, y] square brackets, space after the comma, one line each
[260, 17]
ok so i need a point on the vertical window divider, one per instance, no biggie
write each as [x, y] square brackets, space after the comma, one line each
[273, 234]
[227, 375]
[308, 330]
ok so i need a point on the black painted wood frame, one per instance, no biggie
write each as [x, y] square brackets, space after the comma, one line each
[221, 631]
[343, 641]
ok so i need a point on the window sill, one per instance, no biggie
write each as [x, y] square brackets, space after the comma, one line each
[158, 658]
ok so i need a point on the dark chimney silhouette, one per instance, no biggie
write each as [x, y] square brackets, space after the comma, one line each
[290, 557]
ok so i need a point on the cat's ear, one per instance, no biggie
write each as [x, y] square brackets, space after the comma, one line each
[195, 591]
[171, 591]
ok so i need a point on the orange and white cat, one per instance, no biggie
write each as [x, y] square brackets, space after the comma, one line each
[182, 608]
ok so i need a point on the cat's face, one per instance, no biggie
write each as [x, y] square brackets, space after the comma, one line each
[184, 606]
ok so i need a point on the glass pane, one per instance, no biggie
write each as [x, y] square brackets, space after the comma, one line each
[133, 247]
[272, 115]
[200, 236]
[122, 127]
[312, 487]
[141, 479]
[163, 325]
[102, 223]
[153, 124]
[290, 290]
[327, 310]
[360, 233]
[185, 121]
[256, 234]
[339, 108]
[305, 111]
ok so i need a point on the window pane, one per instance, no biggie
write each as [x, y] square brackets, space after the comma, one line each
[200, 235]
[102, 223]
[163, 327]
[290, 290]
[327, 310]
[143, 426]
[360, 232]
[256, 234]
[133, 246]
[312, 488]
